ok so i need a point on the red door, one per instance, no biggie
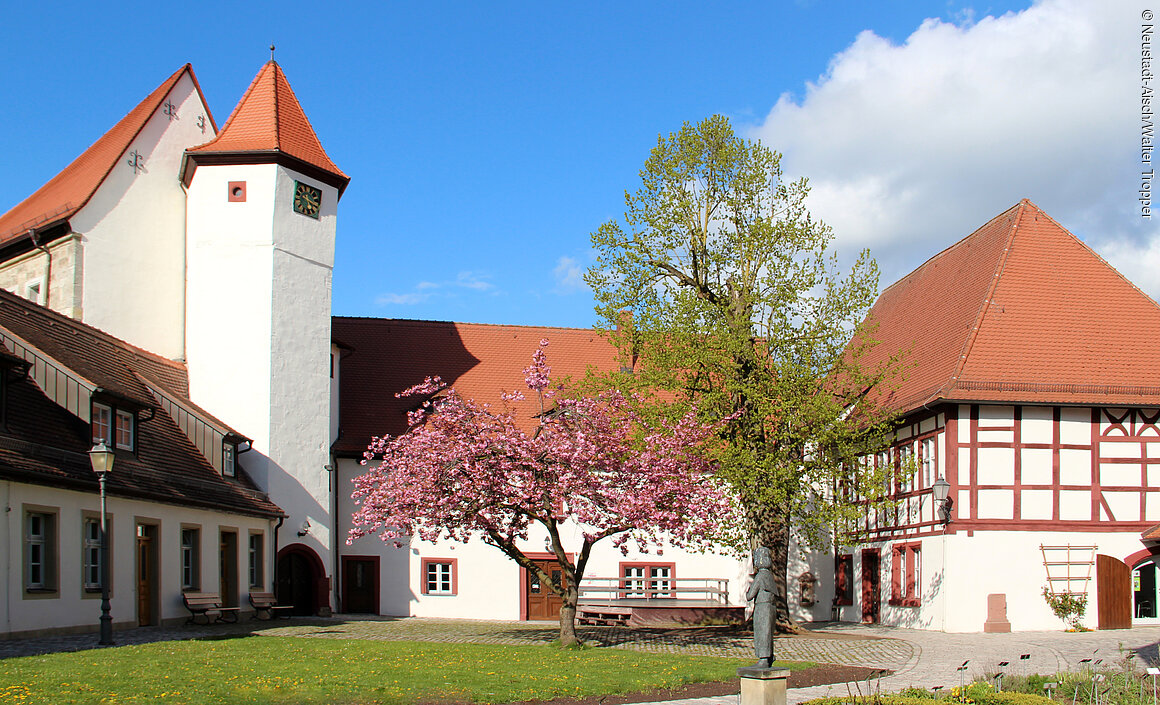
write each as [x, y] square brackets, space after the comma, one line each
[871, 579]
[542, 602]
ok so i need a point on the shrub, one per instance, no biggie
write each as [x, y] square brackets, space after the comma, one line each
[976, 694]
[1067, 606]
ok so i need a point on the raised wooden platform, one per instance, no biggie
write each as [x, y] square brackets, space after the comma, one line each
[658, 612]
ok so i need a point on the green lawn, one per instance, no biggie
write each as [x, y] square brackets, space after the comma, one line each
[302, 671]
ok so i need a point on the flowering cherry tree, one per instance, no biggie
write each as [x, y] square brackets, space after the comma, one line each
[592, 468]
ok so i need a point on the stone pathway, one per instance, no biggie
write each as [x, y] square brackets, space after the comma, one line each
[917, 658]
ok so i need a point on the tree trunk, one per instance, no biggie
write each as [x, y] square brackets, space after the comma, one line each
[779, 545]
[568, 636]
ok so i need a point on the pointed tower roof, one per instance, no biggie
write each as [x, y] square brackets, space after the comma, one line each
[67, 192]
[1020, 311]
[268, 125]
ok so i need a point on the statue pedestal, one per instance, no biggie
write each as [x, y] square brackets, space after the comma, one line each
[762, 686]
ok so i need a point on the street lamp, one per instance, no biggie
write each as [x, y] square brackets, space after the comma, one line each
[942, 499]
[101, 456]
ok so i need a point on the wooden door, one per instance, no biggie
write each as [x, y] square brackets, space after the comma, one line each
[295, 585]
[228, 568]
[871, 580]
[360, 584]
[146, 574]
[542, 602]
[1113, 593]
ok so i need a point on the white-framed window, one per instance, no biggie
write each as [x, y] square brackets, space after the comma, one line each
[190, 558]
[102, 418]
[647, 579]
[439, 576]
[124, 431]
[39, 551]
[91, 553]
[929, 462]
[257, 574]
[229, 469]
[906, 469]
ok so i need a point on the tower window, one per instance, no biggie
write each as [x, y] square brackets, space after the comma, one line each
[236, 192]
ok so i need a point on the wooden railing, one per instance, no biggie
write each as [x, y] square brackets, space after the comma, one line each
[709, 589]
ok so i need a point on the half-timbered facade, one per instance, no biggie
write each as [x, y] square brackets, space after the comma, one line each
[1034, 394]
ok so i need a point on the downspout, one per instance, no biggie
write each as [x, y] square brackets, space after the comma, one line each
[332, 469]
[274, 551]
[184, 265]
[8, 537]
[47, 267]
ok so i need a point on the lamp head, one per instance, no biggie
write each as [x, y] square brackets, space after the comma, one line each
[101, 456]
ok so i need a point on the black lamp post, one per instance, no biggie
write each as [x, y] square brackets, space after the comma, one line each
[941, 489]
[101, 456]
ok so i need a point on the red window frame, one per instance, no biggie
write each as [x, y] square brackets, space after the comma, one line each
[648, 579]
[844, 580]
[905, 574]
[454, 562]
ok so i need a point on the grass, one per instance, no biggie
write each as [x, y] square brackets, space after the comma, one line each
[302, 671]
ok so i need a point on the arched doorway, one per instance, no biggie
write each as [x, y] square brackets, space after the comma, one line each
[1145, 585]
[301, 580]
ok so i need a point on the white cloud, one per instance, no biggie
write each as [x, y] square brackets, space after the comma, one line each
[400, 299]
[424, 290]
[569, 275]
[910, 147]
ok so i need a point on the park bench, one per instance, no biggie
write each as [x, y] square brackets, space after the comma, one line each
[208, 604]
[266, 603]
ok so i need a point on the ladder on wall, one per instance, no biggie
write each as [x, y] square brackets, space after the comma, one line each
[1069, 568]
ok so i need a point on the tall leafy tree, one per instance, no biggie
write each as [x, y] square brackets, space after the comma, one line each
[720, 286]
[589, 469]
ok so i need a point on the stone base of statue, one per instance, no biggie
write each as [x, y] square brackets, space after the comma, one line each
[762, 686]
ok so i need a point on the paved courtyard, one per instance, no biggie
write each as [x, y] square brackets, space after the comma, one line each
[916, 657]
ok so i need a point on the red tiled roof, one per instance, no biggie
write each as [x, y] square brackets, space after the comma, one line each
[42, 443]
[67, 192]
[269, 119]
[1151, 534]
[1019, 311]
[480, 361]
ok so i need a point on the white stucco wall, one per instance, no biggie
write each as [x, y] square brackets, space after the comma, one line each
[133, 232]
[258, 332]
[488, 581]
[70, 606]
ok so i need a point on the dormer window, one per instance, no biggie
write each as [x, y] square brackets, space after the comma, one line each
[228, 467]
[102, 423]
[113, 426]
[124, 430]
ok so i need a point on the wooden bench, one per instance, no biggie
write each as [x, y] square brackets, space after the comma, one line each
[208, 604]
[266, 603]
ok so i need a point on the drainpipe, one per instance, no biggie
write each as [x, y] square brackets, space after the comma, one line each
[332, 470]
[47, 267]
[9, 572]
[274, 550]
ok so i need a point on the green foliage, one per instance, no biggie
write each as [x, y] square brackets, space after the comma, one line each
[719, 288]
[1122, 686]
[1070, 607]
[975, 694]
[312, 671]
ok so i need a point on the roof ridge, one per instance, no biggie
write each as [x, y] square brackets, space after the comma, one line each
[150, 103]
[986, 303]
[277, 100]
[1097, 255]
[423, 321]
[948, 248]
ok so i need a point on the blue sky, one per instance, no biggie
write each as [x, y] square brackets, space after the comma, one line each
[486, 141]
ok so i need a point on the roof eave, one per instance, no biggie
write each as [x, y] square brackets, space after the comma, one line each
[191, 160]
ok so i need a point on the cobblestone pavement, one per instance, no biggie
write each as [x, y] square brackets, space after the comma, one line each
[706, 641]
[916, 657]
[935, 657]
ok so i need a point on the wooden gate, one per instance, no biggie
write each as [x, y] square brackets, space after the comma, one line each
[1113, 593]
